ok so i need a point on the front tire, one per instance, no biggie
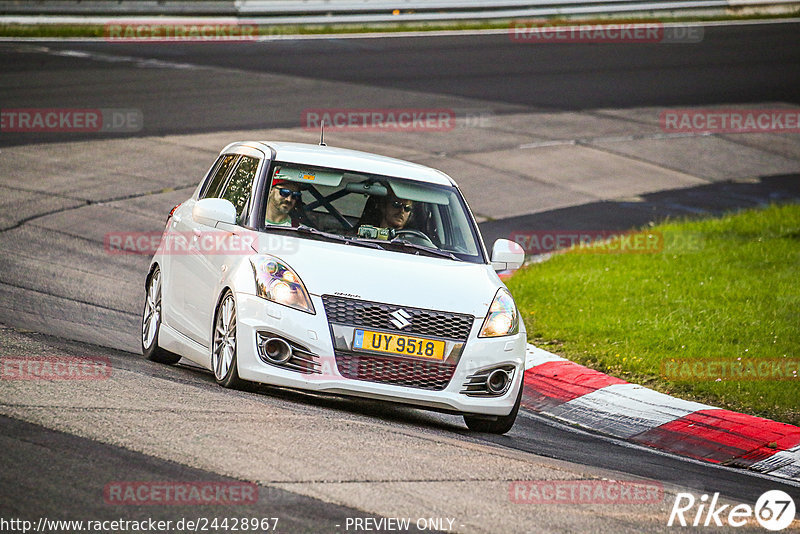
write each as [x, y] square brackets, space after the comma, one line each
[499, 425]
[223, 346]
[151, 323]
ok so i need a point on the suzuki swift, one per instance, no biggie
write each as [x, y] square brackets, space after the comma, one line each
[343, 272]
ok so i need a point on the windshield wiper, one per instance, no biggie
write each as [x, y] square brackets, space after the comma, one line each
[423, 248]
[308, 230]
[369, 243]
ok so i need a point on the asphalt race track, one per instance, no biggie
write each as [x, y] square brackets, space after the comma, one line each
[318, 462]
[732, 65]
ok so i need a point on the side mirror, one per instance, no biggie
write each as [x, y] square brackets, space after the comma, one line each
[210, 211]
[507, 255]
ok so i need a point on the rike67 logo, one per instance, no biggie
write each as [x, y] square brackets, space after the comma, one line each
[774, 510]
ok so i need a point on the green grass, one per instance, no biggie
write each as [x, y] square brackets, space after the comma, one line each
[724, 289]
[98, 30]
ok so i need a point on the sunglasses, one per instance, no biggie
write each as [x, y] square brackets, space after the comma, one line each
[396, 204]
[285, 192]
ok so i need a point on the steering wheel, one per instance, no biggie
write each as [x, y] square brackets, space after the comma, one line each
[425, 240]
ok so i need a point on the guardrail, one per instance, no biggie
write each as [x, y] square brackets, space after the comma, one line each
[368, 11]
[119, 7]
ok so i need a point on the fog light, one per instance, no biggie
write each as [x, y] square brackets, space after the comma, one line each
[497, 381]
[277, 350]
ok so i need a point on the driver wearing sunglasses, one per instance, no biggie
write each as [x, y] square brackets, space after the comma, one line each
[283, 197]
[396, 212]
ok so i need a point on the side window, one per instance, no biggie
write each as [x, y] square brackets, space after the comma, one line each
[240, 184]
[214, 186]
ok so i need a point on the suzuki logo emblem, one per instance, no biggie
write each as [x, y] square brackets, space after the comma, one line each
[400, 318]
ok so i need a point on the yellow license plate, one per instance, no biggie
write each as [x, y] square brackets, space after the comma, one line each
[395, 344]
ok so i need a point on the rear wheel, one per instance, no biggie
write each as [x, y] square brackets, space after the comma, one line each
[498, 425]
[151, 323]
[223, 347]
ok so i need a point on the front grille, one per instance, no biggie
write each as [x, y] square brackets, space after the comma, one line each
[363, 313]
[345, 314]
[397, 371]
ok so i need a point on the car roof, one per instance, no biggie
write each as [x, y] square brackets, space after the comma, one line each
[346, 159]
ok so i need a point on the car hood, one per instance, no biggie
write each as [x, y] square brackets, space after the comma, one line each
[389, 277]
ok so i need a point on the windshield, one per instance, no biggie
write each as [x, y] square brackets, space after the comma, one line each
[355, 208]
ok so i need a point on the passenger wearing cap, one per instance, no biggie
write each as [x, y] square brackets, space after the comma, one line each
[283, 197]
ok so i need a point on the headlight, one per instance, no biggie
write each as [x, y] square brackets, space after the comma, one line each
[503, 318]
[275, 281]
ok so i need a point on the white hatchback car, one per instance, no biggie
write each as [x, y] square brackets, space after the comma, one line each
[338, 271]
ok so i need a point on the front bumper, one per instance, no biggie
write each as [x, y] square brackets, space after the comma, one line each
[313, 332]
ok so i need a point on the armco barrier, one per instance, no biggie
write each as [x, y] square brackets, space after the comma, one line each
[367, 11]
[119, 7]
